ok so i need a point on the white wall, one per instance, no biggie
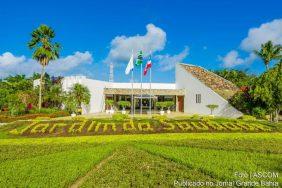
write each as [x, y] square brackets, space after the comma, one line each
[96, 88]
[192, 86]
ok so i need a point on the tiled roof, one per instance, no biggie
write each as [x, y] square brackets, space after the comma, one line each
[220, 85]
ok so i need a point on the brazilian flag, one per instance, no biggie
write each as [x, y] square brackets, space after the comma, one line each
[139, 59]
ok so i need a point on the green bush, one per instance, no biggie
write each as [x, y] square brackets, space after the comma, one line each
[169, 104]
[160, 118]
[195, 117]
[259, 112]
[120, 117]
[44, 111]
[161, 105]
[248, 118]
[124, 104]
[15, 106]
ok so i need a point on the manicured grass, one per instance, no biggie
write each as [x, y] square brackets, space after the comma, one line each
[219, 164]
[138, 160]
[138, 168]
[57, 169]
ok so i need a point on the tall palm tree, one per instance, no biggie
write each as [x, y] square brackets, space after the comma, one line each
[44, 50]
[269, 52]
[81, 94]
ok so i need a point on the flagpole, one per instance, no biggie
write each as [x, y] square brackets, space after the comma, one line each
[132, 100]
[141, 105]
[150, 85]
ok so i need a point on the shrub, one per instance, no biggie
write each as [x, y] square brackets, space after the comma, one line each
[195, 117]
[248, 118]
[169, 104]
[161, 105]
[109, 103]
[184, 126]
[259, 112]
[212, 107]
[160, 118]
[120, 117]
[15, 106]
[124, 104]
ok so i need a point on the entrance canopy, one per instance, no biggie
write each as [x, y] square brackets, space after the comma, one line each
[128, 91]
[146, 97]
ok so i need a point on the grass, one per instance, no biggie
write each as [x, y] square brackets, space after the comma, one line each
[57, 169]
[142, 160]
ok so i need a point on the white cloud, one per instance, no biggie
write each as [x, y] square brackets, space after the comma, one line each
[167, 62]
[67, 63]
[7, 59]
[265, 32]
[11, 65]
[121, 46]
[256, 36]
[232, 59]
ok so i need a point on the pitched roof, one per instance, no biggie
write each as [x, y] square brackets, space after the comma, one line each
[223, 87]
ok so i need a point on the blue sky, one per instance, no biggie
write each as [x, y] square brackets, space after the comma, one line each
[212, 34]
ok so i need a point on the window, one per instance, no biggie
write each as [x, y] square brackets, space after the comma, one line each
[198, 98]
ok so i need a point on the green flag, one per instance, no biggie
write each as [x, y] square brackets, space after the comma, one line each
[139, 59]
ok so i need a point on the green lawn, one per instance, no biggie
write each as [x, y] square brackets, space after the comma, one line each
[146, 160]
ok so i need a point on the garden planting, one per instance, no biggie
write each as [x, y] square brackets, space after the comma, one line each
[82, 126]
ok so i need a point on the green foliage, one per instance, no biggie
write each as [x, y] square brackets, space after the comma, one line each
[169, 104]
[15, 105]
[195, 117]
[269, 52]
[124, 104]
[161, 105]
[212, 107]
[248, 118]
[259, 112]
[268, 89]
[54, 96]
[44, 51]
[70, 103]
[120, 117]
[81, 94]
[238, 77]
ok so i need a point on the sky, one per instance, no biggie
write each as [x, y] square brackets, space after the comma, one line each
[212, 34]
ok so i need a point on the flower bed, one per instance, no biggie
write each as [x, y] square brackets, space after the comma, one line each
[139, 126]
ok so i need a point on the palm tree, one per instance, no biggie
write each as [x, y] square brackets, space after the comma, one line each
[44, 50]
[269, 52]
[81, 94]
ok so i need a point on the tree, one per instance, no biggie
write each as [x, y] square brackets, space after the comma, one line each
[268, 89]
[269, 52]
[109, 103]
[238, 77]
[44, 51]
[169, 104]
[124, 104]
[54, 95]
[212, 107]
[81, 94]
[161, 105]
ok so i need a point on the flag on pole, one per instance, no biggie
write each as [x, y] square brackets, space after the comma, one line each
[147, 67]
[139, 59]
[130, 65]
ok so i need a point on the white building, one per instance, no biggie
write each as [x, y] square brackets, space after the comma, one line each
[194, 88]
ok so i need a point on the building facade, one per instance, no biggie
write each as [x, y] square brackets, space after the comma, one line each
[194, 88]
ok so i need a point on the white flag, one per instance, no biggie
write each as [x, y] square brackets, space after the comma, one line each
[130, 65]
